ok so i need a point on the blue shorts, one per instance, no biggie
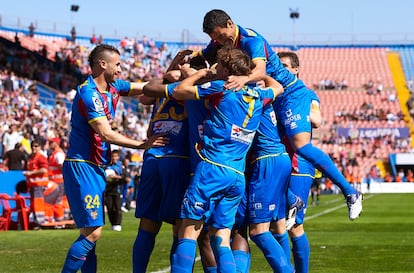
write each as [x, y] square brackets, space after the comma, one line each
[214, 195]
[268, 184]
[161, 189]
[84, 187]
[241, 220]
[293, 109]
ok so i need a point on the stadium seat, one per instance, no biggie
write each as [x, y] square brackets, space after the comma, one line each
[9, 206]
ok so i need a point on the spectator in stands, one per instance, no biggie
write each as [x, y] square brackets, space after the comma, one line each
[93, 39]
[16, 159]
[342, 85]
[410, 176]
[388, 177]
[379, 88]
[410, 85]
[11, 138]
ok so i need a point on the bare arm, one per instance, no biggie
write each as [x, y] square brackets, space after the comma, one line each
[155, 88]
[103, 128]
[272, 83]
[186, 90]
[315, 115]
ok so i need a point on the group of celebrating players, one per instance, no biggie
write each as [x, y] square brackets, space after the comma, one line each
[216, 159]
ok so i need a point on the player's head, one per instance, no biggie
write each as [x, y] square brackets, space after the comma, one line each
[218, 25]
[115, 155]
[290, 60]
[105, 59]
[233, 61]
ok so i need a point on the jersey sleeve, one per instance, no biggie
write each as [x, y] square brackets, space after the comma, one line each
[169, 89]
[255, 47]
[94, 105]
[123, 87]
[209, 88]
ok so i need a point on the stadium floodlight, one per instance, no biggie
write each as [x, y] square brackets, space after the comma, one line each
[294, 14]
[74, 8]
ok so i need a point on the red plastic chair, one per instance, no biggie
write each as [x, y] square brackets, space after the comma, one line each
[19, 206]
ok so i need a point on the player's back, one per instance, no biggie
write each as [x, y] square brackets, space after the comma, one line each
[234, 119]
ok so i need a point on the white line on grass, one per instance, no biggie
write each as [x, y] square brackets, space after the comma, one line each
[167, 269]
[331, 209]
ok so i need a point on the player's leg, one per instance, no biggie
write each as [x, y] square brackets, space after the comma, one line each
[147, 209]
[86, 202]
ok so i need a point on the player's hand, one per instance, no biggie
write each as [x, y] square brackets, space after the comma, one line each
[236, 82]
[180, 58]
[156, 141]
[172, 75]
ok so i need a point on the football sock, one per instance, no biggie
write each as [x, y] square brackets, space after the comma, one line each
[224, 256]
[301, 253]
[272, 251]
[210, 269]
[173, 247]
[283, 240]
[77, 254]
[325, 164]
[90, 265]
[242, 260]
[183, 258]
[142, 249]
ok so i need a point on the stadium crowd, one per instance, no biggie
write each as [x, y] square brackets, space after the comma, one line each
[22, 114]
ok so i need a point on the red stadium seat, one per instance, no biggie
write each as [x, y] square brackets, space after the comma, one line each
[10, 205]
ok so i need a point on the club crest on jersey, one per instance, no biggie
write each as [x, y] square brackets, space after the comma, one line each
[241, 135]
[97, 103]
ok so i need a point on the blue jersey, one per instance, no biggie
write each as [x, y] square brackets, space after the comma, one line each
[230, 128]
[197, 111]
[169, 116]
[267, 140]
[256, 46]
[88, 106]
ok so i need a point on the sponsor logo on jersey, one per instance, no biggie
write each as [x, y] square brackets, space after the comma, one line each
[241, 135]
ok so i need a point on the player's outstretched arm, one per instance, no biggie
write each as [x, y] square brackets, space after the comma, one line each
[103, 128]
[186, 89]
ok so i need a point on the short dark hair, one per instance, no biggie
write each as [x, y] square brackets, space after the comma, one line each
[215, 18]
[294, 59]
[99, 53]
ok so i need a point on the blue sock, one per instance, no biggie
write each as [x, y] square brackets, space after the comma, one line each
[224, 256]
[77, 254]
[301, 253]
[90, 265]
[210, 269]
[173, 248]
[242, 260]
[325, 164]
[142, 249]
[283, 240]
[183, 258]
[273, 252]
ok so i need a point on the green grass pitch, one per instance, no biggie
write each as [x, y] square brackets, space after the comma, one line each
[381, 240]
